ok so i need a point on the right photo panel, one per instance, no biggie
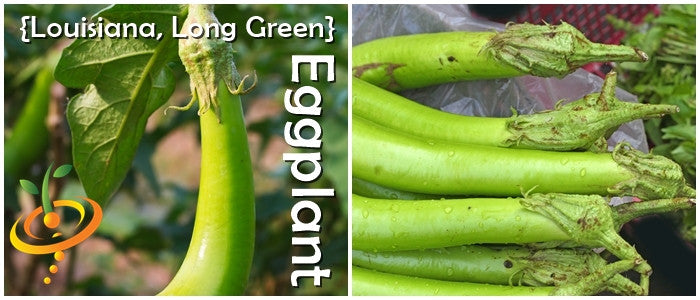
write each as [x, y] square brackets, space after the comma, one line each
[523, 150]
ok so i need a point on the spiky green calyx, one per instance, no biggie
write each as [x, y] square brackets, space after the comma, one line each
[654, 176]
[580, 124]
[589, 221]
[606, 277]
[553, 50]
[567, 268]
[207, 60]
[625, 212]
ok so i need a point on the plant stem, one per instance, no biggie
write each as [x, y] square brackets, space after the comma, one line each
[629, 211]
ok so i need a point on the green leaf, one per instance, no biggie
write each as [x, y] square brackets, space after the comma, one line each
[62, 171]
[684, 154]
[679, 131]
[29, 186]
[664, 149]
[125, 81]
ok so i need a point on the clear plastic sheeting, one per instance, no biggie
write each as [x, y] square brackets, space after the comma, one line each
[525, 94]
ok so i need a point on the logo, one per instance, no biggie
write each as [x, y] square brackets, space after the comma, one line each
[53, 240]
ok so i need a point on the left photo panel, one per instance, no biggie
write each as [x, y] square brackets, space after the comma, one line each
[175, 149]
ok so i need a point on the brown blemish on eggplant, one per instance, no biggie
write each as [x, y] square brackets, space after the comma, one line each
[388, 68]
[508, 264]
[586, 224]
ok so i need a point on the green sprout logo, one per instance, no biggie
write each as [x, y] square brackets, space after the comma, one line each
[53, 242]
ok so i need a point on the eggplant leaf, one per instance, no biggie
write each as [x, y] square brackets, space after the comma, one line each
[124, 81]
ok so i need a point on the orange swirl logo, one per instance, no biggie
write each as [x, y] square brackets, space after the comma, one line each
[31, 243]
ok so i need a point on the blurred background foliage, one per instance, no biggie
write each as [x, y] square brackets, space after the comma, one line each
[669, 38]
[147, 224]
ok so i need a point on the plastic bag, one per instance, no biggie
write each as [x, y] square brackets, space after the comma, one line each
[525, 94]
